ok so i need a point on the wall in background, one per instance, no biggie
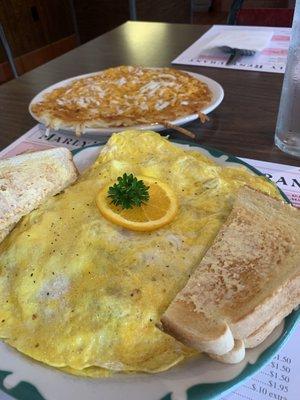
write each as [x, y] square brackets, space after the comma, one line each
[40, 30]
[174, 11]
[94, 17]
[224, 5]
[37, 30]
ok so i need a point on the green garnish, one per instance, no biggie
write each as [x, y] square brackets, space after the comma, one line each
[128, 192]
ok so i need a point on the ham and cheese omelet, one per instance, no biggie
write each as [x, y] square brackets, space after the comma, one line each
[82, 294]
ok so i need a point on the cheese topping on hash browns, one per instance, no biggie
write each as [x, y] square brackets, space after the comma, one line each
[123, 96]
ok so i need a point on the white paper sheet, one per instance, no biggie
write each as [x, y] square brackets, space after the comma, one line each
[279, 380]
[271, 58]
[246, 39]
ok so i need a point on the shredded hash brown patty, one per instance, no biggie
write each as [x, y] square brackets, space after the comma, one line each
[123, 96]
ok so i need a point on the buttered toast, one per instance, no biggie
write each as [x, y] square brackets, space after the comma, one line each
[246, 283]
[28, 179]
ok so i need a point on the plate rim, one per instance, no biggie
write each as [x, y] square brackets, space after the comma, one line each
[204, 391]
[211, 391]
[217, 90]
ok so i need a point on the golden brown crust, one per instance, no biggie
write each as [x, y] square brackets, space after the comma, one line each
[250, 273]
[123, 96]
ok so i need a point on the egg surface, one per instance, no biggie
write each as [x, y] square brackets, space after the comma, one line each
[82, 294]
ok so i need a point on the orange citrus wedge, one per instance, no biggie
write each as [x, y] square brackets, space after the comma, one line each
[158, 211]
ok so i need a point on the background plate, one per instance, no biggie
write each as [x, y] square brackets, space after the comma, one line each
[199, 379]
[215, 87]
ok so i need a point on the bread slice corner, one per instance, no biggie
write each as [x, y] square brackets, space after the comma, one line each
[29, 179]
[234, 356]
[196, 330]
[250, 273]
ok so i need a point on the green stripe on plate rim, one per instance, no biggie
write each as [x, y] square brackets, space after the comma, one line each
[27, 391]
[211, 391]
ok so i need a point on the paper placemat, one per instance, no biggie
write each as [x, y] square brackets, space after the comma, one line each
[279, 379]
[271, 59]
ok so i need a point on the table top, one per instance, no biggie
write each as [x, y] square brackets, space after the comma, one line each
[243, 125]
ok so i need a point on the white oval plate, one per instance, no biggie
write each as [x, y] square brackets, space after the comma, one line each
[215, 88]
[199, 379]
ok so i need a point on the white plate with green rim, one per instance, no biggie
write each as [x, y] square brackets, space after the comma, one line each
[199, 379]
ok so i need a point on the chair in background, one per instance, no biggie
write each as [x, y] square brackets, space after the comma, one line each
[33, 32]
[6, 46]
[282, 17]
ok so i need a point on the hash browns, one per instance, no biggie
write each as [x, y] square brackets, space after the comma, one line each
[123, 96]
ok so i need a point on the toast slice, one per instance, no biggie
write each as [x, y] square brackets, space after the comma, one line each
[234, 356]
[4, 232]
[28, 179]
[250, 273]
[255, 339]
[238, 352]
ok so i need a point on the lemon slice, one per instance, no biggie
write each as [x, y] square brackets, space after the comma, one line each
[159, 210]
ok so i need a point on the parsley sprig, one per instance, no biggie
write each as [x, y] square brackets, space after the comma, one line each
[128, 192]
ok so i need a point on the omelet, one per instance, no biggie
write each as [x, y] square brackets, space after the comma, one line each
[82, 294]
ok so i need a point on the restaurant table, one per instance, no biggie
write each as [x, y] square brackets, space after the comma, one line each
[243, 125]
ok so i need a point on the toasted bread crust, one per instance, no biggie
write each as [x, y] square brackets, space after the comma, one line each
[4, 232]
[28, 179]
[196, 330]
[258, 336]
[249, 273]
[234, 356]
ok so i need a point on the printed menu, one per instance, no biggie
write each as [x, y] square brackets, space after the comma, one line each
[279, 380]
[272, 58]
